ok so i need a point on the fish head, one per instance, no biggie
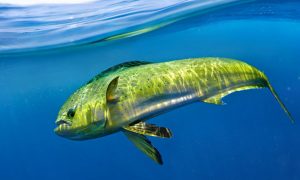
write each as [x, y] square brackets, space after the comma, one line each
[81, 120]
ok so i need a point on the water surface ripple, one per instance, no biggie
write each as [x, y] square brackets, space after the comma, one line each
[48, 26]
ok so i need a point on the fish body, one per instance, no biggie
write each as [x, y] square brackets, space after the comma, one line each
[123, 97]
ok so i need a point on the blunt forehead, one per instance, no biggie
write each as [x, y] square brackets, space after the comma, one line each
[75, 99]
[70, 103]
[92, 94]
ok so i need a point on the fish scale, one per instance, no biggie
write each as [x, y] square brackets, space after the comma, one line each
[124, 97]
[173, 79]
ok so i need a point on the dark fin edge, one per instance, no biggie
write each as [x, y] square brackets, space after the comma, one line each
[144, 145]
[281, 103]
[118, 67]
[149, 130]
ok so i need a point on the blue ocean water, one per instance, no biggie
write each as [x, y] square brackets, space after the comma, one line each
[45, 56]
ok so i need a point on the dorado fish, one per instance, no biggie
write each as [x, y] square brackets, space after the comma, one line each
[123, 97]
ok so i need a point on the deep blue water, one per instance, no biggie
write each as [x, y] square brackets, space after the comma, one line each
[248, 138]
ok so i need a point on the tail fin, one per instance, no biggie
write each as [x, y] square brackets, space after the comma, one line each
[281, 103]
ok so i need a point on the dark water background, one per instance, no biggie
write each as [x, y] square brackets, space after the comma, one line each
[249, 138]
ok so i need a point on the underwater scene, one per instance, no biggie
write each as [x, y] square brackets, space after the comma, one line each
[137, 89]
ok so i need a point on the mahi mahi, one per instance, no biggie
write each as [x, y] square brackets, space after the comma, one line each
[124, 96]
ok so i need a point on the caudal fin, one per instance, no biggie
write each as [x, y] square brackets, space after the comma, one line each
[281, 103]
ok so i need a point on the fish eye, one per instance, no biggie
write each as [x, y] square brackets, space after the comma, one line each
[71, 113]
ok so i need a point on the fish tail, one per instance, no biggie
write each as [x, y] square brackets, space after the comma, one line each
[280, 102]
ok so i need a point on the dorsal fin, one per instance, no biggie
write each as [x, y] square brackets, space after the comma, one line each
[118, 67]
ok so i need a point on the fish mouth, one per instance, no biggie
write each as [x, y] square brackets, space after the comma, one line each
[62, 126]
[63, 122]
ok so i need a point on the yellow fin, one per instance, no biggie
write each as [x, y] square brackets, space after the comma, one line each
[217, 99]
[149, 130]
[143, 144]
[110, 97]
[110, 91]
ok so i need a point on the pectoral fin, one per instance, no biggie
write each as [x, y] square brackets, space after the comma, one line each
[110, 91]
[110, 97]
[143, 144]
[149, 130]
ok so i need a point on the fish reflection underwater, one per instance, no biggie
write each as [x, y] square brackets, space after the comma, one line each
[124, 96]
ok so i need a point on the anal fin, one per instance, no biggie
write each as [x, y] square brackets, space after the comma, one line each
[149, 130]
[143, 144]
[217, 99]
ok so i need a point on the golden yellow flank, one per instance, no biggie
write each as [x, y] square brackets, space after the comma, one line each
[123, 97]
